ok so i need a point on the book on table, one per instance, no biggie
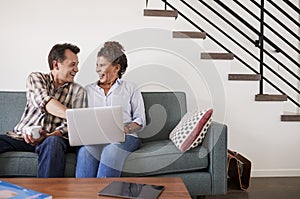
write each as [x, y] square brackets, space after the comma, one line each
[13, 191]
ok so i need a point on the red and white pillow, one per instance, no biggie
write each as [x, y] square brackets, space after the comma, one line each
[191, 130]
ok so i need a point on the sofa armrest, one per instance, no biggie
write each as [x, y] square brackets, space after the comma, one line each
[216, 143]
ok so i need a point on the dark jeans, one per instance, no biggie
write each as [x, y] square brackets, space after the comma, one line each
[51, 154]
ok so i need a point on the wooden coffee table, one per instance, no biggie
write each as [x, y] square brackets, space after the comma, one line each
[89, 187]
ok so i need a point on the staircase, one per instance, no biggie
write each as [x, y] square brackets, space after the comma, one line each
[258, 76]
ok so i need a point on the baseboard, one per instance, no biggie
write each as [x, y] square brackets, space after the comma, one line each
[275, 173]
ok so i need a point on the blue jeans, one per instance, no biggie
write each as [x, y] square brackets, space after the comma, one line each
[51, 154]
[105, 160]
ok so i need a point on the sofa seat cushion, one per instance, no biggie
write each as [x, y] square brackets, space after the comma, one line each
[24, 164]
[163, 157]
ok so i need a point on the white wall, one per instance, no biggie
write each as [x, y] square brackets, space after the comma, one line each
[156, 62]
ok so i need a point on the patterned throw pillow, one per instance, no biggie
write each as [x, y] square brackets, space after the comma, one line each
[191, 130]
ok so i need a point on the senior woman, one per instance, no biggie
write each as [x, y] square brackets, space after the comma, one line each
[110, 90]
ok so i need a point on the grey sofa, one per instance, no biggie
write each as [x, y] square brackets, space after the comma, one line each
[202, 169]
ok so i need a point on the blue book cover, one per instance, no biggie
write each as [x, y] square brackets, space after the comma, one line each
[12, 191]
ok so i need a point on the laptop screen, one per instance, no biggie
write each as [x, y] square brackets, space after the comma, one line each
[98, 125]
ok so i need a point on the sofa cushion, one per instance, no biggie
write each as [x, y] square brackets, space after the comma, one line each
[24, 164]
[12, 107]
[191, 130]
[163, 157]
[163, 112]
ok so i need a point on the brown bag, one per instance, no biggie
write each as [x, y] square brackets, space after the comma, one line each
[238, 169]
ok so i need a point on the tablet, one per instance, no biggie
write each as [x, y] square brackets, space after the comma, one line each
[132, 190]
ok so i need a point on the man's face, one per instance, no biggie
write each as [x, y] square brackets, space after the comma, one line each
[69, 67]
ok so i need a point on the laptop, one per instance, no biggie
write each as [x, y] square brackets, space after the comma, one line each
[98, 125]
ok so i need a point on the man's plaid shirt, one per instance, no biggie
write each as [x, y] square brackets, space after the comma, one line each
[40, 90]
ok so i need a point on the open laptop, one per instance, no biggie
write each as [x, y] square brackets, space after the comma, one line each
[98, 125]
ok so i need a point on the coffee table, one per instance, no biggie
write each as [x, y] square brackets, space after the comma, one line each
[89, 187]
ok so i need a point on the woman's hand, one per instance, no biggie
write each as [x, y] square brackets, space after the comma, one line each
[131, 128]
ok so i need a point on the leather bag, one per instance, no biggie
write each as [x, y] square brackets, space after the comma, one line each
[238, 169]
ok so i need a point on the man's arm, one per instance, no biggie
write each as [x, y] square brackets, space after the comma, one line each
[79, 101]
[54, 107]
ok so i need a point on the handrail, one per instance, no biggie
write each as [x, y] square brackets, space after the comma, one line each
[292, 6]
[256, 31]
[283, 12]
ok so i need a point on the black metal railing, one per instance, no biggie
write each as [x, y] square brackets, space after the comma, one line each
[284, 13]
[261, 46]
[259, 43]
[248, 25]
[261, 19]
[263, 38]
[292, 6]
[262, 49]
[278, 21]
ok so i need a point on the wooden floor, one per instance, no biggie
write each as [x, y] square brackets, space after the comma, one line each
[265, 188]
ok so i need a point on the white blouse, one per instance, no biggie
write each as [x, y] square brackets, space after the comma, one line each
[121, 93]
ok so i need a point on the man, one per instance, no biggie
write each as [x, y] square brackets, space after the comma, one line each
[48, 98]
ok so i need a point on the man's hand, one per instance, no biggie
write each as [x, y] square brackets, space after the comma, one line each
[30, 140]
[56, 133]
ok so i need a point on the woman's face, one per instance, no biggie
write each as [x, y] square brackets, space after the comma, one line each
[106, 71]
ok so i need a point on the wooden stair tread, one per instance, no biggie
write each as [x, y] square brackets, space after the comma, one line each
[268, 97]
[290, 117]
[160, 13]
[189, 34]
[244, 77]
[226, 56]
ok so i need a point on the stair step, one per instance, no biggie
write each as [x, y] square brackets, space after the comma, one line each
[187, 34]
[267, 97]
[290, 117]
[244, 77]
[160, 13]
[226, 56]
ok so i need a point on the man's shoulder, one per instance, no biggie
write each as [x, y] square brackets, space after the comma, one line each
[39, 75]
[38, 78]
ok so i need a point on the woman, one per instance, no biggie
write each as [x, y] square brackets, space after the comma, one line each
[110, 90]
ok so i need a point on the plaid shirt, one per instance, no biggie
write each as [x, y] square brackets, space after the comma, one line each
[40, 90]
